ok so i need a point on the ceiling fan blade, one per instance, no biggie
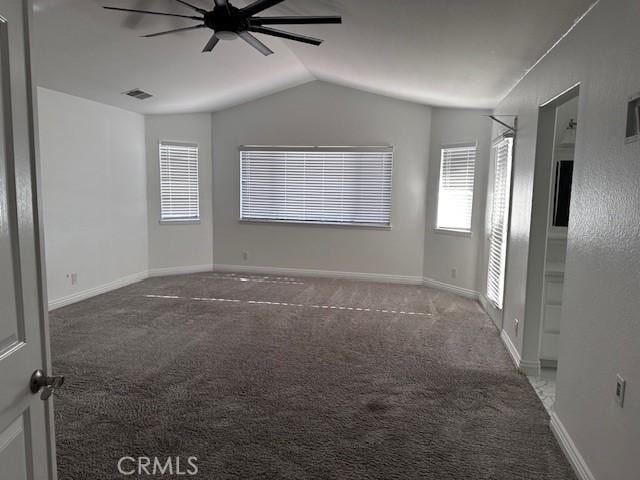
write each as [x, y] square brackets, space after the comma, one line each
[221, 3]
[192, 7]
[294, 20]
[255, 43]
[289, 36]
[194, 27]
[259, 6]
[213, 41]
[152, 13]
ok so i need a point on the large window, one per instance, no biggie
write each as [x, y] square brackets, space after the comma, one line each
[179, 195]
[455, 195]
[502, 156]
[341, 186]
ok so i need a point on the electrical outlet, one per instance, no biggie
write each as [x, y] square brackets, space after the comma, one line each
[454, 273]
[245, 256]
[621, 385]
[73, 278]
[516, 325]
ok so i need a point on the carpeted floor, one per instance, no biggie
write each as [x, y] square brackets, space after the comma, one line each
[294, 378]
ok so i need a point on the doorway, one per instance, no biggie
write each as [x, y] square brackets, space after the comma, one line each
[551, 210]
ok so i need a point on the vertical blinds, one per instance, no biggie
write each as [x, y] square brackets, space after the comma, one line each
[179, 195]
[455, 194]
[502, 154]
[317, 185]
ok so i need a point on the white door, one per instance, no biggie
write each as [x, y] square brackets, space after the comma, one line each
[26, 421]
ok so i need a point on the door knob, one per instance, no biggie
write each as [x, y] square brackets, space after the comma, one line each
[41, 381]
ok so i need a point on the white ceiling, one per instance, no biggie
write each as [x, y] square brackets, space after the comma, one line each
[457, 53]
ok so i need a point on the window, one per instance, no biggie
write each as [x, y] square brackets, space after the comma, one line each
[340, 186]
[455, 194]
[179, 195]
[502, 156]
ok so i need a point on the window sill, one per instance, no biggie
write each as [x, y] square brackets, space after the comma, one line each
[177, 221]
[316, 224]
[457, 233]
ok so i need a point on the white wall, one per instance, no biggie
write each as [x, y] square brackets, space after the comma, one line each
[444, 251]
[600, 327]
[94, 194]
[176, 247]
[319, 113]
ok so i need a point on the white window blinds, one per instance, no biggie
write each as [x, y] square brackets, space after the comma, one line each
[502, 155]
[317, 185]
[179, 195]
[455, 193]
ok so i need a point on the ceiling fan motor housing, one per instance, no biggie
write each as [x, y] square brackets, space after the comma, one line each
[226, 19]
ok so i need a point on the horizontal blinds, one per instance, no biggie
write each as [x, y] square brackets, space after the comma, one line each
[455, 194]
[502, 153]
[334, 186]
[179, 195]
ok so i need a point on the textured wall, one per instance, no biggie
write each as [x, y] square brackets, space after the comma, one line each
[600, 327]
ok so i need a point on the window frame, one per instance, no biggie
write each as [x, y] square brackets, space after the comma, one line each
[179, 220]
[329, 149]
[455, 231]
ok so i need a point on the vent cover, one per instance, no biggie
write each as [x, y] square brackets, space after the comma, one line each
[139, 94]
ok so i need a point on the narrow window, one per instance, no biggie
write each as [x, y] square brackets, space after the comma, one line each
[335, 186]
[179, 194]
[502, 156]
[455, 193]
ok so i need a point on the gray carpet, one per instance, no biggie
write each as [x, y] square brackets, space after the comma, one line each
[294, 378]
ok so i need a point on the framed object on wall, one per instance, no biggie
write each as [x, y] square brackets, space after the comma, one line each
[633, 119]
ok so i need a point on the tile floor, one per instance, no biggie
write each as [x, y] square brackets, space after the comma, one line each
[545, 387]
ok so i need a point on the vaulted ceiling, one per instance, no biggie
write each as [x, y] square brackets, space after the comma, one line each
[457, 53]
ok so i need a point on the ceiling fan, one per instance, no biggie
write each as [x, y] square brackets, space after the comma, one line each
[229, 22]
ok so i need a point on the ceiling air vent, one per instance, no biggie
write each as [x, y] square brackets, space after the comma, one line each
[139, 94]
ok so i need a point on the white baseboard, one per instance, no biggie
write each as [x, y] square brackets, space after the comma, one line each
[484, 301]
[530, 368]
[92, 292]
[303, 272]
[491, 311]
[511, 348]
[570, 450]
[429, 282]
[166, 271]
[125, 281]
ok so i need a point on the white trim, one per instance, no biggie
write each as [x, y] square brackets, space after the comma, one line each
[304, 272]
[316, 148]
[92, 292]
[491, 311]
[530, 368]
[166, 271]
[465, 292]
[569, 449]
[484, 302]
[511, 348]
[449, 231]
